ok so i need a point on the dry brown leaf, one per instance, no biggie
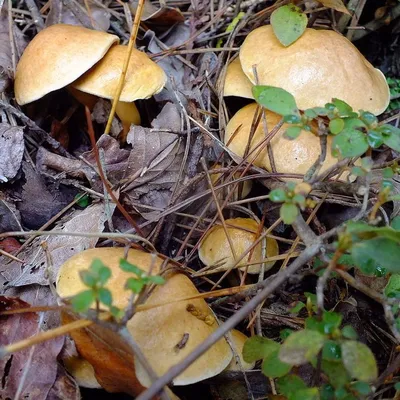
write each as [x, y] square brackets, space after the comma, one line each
[60, 13]
[11, 151]
[6, 58]
[336, 5]
[30, 372]
[158, 15]
[64, 388]
[90, 221]
[10, 218]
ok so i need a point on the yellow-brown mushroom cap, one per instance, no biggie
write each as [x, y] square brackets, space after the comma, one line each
[69, 282]
[290, 156]
[57, 56]
[166, 334]
[82, 371]
[238, 341]
[144, 77]
[319, 66]
[236, 82]
[215, 247]
[169, 333]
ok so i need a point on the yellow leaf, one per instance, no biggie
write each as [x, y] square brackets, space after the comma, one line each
[336, 5]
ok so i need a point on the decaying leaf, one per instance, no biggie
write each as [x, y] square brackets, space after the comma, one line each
[11, 151]
[38, 205]
[27, 374]
[89, 221]
[76, 13]
[64, 388]
[10, 218]
[6, 53]
[336, 5]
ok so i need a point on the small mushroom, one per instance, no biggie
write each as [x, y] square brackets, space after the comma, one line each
[166, 334]
[215, 247]
[143, 79]
[319, 66]
[290, 156]
[57, 56]
[236, 82]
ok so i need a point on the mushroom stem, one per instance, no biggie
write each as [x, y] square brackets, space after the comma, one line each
[128, 114]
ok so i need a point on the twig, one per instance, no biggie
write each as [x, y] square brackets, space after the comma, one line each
[36, 16]
[229, 324]
[120, 86]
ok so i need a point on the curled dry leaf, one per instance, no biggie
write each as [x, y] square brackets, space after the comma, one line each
[30, 372]
[336, 5]
[163, 15]
[88, 221]
[6, 53]
[11, 150]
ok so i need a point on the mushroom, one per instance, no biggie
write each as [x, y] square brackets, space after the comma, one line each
[319, 66]
[166, 333]
[290, 156]
[57, 56]
[215, 247]
[238, 341]
[143, 79]
[236, 82]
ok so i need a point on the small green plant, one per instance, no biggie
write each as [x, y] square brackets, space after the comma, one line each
[96, 279]
[347, 364]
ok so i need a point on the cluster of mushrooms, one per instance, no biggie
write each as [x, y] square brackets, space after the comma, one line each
[319, 66]
[89, 64]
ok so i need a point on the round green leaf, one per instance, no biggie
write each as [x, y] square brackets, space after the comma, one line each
[289, 213]
[337, 375]
[375, 139]
[395, 224]
[368, 118]
[393, 139]
[273, 367]
[336, 125]
[275, 99]
[361, 387]
[292, 119]
[331, 351]
[349, 143]
[300, 347]
[349, 332]
[82, 301]
[293, 132]
[258, 348]
[359, 361]
[277, 195]
[290, 384]
[288, 23]
[105, 296]
[392, 288]
[305, 394]
[344, 110]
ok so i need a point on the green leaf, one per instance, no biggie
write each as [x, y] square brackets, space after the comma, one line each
[288, 23]
[82, 301]
[116, 312]
[368, 118]
[156, 279]
[277, 195]
[83, 201]
[104, 275]
[349, 332]
[375, 139]
[337, 375]
[289, 213]
[359, 361]
[300, 347]
[299, 199]
[392, 289]
[290, 384]
[327, 392]
[297, 308]
[128, 267]
[273, 367]
[105, 296]
[258, 348]
[305, 394]
[344, 110]
[380, 250]
[395, 224]
[361, 387]
[88, 278]
[292, 119]
[285, 333]
[388, 173]
[397, 386]
[331, 321]
[96, 266]
[349, 143]
[331, 351]
[135, 285]
[275, 99]
[353, 123]
[293, 132]
[336, 125]
[392, 140]
[358, 171]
